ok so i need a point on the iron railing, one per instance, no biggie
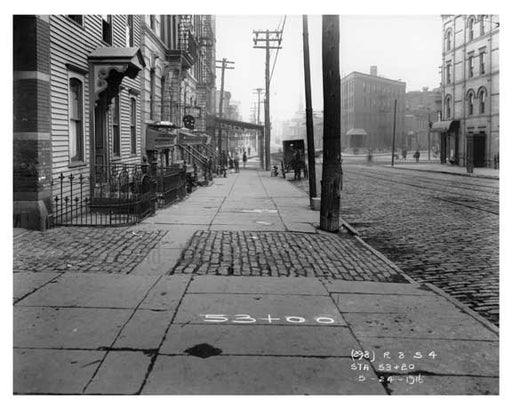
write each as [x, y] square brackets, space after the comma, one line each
[114, 195]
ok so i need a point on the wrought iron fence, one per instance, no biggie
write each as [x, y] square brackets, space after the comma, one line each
[114, 195]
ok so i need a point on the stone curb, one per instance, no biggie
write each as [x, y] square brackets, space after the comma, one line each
[492, 327]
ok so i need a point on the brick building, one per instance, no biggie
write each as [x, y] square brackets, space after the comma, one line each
[421, 108]
[85, 89]
[367, 107]
[469, 130]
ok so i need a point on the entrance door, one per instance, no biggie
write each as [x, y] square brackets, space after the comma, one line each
[479, 150]
[100, 136]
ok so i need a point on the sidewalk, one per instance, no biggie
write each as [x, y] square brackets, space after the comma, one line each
[243, 295]
[488, 173]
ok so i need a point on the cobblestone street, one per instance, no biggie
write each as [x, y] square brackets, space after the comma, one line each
[283, 254]
[105, 250]
[442, 229]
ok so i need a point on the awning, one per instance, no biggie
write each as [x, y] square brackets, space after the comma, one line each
[187, 137]
[444, 126]
[356, 131]
[158, 139]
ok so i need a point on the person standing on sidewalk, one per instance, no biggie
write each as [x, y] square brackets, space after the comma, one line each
[417, 155]
[244, 158]
[237, 162]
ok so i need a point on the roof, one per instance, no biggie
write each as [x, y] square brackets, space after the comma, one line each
[444, 126]
[374, 77]
[118, 55]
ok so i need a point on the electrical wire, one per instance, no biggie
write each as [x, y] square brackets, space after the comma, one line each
[277, 51]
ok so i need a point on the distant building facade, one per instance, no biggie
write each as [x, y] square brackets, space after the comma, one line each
[421, 109]
[367, 111]
[469, 131]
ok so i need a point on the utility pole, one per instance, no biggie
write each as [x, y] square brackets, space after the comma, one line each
[224, 66]
[272, 40]
[309, 113]
[331, 168]
[394, 136]
[260, 142]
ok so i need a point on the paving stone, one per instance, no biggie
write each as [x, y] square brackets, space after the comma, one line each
[51, 371]
[120, 373]
[257, 285]
[449, 325]
[76, 328]
[262, 340]
[145, 330]
[25, 283]
[167, 293]
[76, 290]
[195, 306]
[255, 375]
[452, 357]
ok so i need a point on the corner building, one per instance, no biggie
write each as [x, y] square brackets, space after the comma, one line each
[469, 130]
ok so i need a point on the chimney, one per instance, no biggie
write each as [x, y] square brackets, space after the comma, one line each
[373, 70]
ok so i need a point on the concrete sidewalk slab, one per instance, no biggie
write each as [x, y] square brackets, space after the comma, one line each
[53, 371]
[67, 328]
[444, 324]
[120, 373]
[194, 307]
[255, 375]
[144, 331]
[449, 385]
[328, 341]
[256, 285]
[451, 357]
[81, 290]
[167, 293]
[356, 287]
[25, 283]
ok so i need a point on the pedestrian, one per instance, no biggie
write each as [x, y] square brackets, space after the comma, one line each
[237, 162]
[231, 164]
[244, 158]
[417, 155]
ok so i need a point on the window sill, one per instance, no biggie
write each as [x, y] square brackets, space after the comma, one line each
[77, 164]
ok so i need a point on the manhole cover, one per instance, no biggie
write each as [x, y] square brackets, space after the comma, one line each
[203, 350]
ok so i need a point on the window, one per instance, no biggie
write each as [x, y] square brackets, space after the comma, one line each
[471, 102]
[133, 125]
[77, 18]
[471, 65]
[471, 29]
[152, 94]
[116, 134]
[482, 25]
[482, 62]
[152, 22]
[482, 96]
[162, 98]
[129, 31]
[107, 28]
[448, 106]
[448, 39]
[76, 141]
[448, 73]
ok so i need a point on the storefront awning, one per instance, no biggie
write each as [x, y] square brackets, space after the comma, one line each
[356, 131]
[187, 137]
[443, 126]
[158, 139]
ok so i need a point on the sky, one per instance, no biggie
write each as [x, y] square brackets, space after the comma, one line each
[402, 47]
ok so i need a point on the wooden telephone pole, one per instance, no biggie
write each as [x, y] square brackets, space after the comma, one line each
[224, 66]
[272, 40]
[331, 169]
[309, 112]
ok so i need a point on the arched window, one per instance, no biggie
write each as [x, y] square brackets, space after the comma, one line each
[76, 116]
[471, 102]
[448, 106]
[482, 97]
[471, 28]
[448, 39]
[482, 25]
